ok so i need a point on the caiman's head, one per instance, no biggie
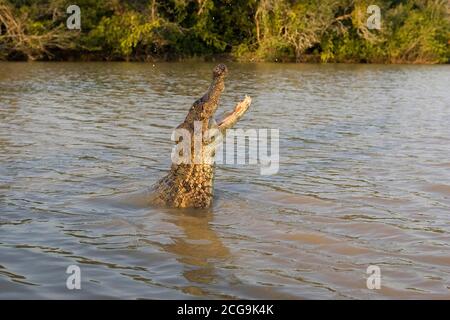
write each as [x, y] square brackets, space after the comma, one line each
[204, 109]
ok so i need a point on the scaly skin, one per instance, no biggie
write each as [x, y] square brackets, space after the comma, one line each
[190, 185]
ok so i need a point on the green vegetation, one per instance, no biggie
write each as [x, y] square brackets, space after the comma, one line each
[415, 31]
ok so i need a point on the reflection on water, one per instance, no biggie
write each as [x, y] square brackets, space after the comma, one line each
[364, 180]
[197, 249]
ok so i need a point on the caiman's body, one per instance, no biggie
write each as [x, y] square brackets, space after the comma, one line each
[191, 184]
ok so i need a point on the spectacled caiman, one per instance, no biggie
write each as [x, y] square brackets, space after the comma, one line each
[189, 184]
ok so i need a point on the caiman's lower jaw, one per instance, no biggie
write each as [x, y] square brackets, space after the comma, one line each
[239, 109]
[228, 119]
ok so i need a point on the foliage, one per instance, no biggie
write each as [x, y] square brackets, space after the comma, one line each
[414, 31]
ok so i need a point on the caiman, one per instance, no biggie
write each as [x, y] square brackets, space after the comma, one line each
[189, 184]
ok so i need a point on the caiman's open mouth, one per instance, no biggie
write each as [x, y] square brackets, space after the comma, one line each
[227, 120]
[204, 109]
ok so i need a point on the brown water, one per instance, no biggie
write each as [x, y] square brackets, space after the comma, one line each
[364, 180]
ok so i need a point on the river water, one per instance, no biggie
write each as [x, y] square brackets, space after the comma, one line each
[363, 180]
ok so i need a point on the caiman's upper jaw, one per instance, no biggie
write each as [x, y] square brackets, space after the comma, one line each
[219, 74]
[210, 100]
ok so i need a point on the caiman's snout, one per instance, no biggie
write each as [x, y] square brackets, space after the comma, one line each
[220, 70]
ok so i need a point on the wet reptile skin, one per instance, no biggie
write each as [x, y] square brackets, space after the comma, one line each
[190, 185]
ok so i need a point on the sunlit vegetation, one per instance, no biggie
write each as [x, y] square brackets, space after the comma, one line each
[415, 31]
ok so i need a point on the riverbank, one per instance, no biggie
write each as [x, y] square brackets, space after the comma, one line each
[415, 32]
[308, 59]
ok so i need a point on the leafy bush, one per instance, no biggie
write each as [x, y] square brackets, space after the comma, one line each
[413, 31]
